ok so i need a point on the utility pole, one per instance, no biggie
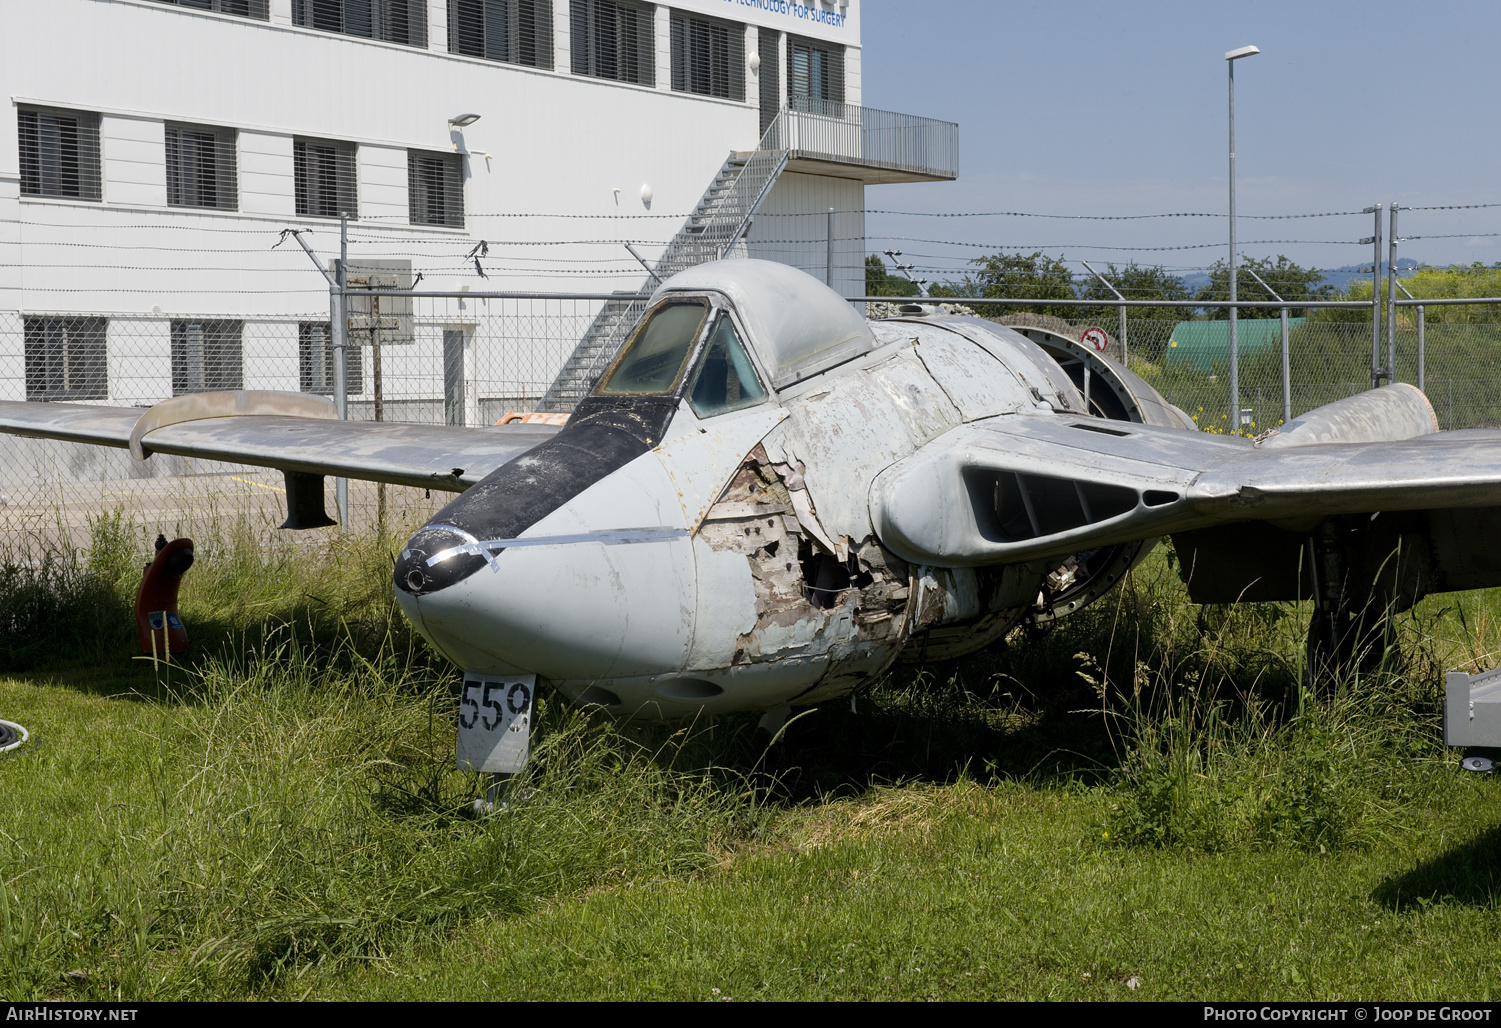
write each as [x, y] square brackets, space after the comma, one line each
[1230, 59]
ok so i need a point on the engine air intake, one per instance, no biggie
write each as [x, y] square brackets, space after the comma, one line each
[1012, 507]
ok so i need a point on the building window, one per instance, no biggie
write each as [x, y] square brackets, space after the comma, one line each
[514, 31]
[315, 361]
[201, 167]
[207, 355]
[769, 47]
[394, 21]
[59, 153]
[454, 378]
[323, 178]
[65, 358]
[435, 188]
[815, 71]
[612, 39]
[708, 56]
[243, 8]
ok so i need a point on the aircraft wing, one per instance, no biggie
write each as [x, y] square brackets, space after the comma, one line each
[1022, 487]
[295, 433]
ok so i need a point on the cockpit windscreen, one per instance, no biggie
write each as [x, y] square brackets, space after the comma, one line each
[654, 358]
[725, 379]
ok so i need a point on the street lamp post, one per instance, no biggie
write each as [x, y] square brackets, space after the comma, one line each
[1230, 59]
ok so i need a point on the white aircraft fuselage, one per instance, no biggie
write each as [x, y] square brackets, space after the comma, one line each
[680, 550]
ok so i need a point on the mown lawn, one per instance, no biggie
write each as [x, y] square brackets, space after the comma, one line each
[1140, 804]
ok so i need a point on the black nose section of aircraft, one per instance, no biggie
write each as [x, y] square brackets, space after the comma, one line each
[604, 434]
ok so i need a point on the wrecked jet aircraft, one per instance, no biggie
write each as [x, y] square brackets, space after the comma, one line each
[767, 500]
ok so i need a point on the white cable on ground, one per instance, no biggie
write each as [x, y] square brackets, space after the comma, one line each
[12, 736]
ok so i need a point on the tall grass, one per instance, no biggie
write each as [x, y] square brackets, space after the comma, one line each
[288, 800]
[1219, 744]
[290, 814]
[281, 807]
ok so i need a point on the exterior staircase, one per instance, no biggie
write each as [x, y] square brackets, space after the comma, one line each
[720, 220]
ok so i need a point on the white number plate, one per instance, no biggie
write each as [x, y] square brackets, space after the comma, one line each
[495, 720]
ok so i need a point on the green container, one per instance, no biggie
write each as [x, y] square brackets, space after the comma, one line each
[1203, 344]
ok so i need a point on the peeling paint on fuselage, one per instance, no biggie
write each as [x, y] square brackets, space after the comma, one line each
[784, 593]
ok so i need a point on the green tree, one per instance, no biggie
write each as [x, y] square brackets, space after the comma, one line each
[880, 282]
[1035, 276]
[1456, 280]
[1289, 280]
[1148, 328]
[1428, 283]
[1136, 283]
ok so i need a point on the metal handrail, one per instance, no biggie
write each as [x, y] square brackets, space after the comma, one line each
[462, 294]
[848, 133]
[1444, 301]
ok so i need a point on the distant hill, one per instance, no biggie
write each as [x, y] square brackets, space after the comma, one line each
[1339, 278]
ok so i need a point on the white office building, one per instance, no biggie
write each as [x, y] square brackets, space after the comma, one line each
[157, 149]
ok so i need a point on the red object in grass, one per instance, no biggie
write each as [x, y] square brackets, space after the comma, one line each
[160, 628]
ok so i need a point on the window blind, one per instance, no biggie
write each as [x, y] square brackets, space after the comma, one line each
[513, 31]
[612, 39]
[207, 356]
[324, 177]
[201, 167]
[435, 188]
[66, 358]
[708, 56]
[59, 153]
[259, 9]
[394, 21]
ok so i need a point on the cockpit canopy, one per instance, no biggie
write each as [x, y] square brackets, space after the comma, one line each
[660, 352]
[797, 325]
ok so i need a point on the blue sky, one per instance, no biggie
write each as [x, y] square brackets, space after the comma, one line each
[1120, 109]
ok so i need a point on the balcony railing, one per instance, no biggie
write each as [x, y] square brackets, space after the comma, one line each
[850, 134]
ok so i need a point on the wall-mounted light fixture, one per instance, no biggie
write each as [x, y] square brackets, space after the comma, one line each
[463, 120]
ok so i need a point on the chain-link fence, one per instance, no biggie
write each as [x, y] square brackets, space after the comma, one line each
[470, 358]
[1187, 361]
[451, 360]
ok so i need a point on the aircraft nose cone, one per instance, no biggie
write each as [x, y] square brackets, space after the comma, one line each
[604, 435]
[565, 606]
[437, 557]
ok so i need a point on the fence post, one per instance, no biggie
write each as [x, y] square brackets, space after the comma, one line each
[1287, 377]
[1391, 297]
[1422, 356]
[339, 332]
[1376, 368]
[1287, 384]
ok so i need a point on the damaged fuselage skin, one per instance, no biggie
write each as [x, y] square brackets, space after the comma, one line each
[699, 536]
